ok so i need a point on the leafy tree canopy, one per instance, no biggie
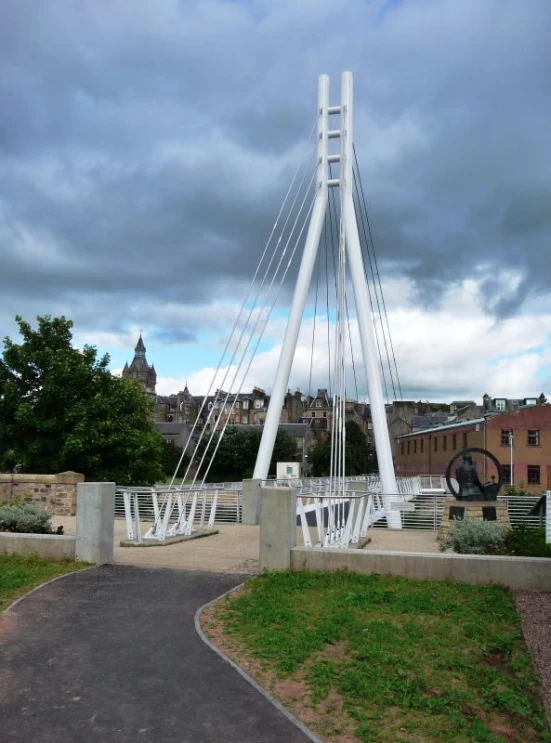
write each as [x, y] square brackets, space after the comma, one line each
[172, 454]
[360, 457]
[236, 454]
[61, 409]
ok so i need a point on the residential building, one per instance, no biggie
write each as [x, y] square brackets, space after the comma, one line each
[521, 437]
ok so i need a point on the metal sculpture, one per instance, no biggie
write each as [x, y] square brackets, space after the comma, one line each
[470, 486]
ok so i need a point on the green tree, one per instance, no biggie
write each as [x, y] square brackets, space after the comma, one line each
[171, 457]
[360, 457]
[61, 409]
[236, 454]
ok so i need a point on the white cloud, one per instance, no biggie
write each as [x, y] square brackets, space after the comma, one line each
[455, 350]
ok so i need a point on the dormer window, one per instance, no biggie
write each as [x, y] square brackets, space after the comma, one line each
[237, 405]
[245, 404]
[319, 403]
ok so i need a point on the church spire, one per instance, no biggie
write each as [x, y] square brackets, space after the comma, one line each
[140, 348]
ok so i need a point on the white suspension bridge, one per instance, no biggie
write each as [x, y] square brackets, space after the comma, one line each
[322, 229]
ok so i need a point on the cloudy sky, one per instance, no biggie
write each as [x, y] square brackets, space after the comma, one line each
[146, 146]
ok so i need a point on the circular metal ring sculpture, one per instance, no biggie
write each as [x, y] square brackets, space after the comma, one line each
[489, 490]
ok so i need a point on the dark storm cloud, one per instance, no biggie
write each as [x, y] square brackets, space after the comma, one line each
[145, 147]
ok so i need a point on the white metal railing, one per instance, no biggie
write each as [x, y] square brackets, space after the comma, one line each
[548, 517]
[428, 510]
[159, 513]
[336, 521]
[342, 521]
[333, 522]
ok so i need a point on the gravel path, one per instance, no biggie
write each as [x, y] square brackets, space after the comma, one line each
[535, 612]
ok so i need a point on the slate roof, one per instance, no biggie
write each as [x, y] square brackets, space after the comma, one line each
[171, 428]
[428, 421]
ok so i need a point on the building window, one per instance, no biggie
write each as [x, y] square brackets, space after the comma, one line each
[415, 446]
[258, 404]
[436, 443]
[422, 445]
[533, 474]
[245, 419]
[444, 443]
[505, 434]
[501, 405]
[465, 444]
[506, 474]
[319, 403]
[313, 414]
[409, 447]
[325, 415]
[533, 438]
[237, 405]
[245, 404]
[454, 441]
[401, 447]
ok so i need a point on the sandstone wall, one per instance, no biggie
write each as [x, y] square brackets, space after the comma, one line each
[57, 493]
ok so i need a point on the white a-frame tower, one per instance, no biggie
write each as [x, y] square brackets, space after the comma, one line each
[349, 226]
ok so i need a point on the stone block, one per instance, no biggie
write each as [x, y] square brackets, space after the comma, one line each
[250, 502]
[474, 510]
[278, 527]
[47, 546]
[95, 524]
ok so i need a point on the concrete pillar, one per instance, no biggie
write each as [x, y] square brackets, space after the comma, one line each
[250, 501]
[278, 527]
[95, 522]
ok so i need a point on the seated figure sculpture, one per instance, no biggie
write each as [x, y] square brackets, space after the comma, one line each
[470, 487]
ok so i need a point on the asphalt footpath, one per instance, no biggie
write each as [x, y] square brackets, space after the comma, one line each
[111, 655]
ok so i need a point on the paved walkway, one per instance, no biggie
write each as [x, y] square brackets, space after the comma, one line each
[235, 548]
[111, 655]
[404, 540]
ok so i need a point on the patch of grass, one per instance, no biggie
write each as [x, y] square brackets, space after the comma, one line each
[406, 660]
[19, 574]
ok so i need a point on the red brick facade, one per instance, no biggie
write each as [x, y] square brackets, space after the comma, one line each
[428, 452]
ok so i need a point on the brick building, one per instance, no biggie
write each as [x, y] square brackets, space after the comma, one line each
[522, 435]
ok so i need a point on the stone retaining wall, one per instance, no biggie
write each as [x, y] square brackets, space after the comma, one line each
[57, 493]
[47, 546]
[518, 573]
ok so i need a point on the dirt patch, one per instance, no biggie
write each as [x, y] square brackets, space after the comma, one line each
[497, 659]
[328, 719]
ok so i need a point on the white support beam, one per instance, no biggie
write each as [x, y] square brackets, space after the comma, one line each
[363, 310]
[288, 348]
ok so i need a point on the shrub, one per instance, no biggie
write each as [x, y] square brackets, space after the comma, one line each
[25, 518]
[512, 492]
[471, 537]
[526, 541]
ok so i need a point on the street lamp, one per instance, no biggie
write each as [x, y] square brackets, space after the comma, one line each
[511, 439]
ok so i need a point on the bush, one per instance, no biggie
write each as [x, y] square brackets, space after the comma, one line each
[471, 537]
[526, 541]
[25, 518]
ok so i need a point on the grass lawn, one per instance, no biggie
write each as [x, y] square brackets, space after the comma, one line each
[19, 574]
[384, 660]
